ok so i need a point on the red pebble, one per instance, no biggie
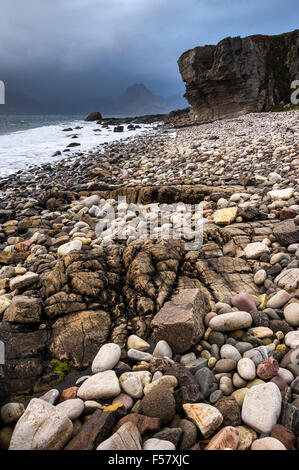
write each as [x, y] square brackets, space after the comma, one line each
[268, 369]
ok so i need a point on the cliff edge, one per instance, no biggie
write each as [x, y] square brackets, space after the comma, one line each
[240, 75]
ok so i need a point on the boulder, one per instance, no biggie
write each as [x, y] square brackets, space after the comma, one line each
[41, 427]
[78, 336]
[286, 232]
[94, 116]
[180, 322]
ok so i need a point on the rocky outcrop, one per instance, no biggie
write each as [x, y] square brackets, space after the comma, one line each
[240, 75]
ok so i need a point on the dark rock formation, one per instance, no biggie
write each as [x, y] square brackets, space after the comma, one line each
[240, 75]
[95, 116]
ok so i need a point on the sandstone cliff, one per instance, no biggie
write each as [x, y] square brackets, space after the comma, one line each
[240, 75]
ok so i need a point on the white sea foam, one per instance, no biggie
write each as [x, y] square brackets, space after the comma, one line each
[22, 149]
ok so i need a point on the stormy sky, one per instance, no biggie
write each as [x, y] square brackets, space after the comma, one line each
[81, 49]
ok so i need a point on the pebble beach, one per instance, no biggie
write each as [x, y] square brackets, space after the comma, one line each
[174, 346]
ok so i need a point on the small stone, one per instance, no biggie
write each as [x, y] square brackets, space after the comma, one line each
[246, 369]
[260, 277]
[168, 381]
[226, 386]
[215, 396]
[133, 383]
[225, 216]
[169, 434]
[127, 437]
[11, 412]
[284, 435]
[254, 382]
[98, 427]
[268, 369]
[5, 437]
[255, 250]
[225, 365]
[74, 245]
[288, 279]
[228, 437]
[230, 411]
[68, 394]
[158, 444]
[246, 437]
[134, 342]
[107, 357]
[125, 400]
[243, 302]
[159, 403]
[281, 194]
[238, 382]
[72, 408]
[136, 355]
[267, 443]
[231, 321]
[285, 374]
[279, 299]
[261, 332]
[100, 386]
[239, 395]
[162, 349]
[291, 314]
[206, 417]
[144, 423]
[189, 436]
[206, 380]
[292, 339]
[286, 232]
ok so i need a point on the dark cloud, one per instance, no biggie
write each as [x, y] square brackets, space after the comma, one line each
[75, 49]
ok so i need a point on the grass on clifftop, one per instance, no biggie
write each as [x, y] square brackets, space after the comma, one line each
[279, 109]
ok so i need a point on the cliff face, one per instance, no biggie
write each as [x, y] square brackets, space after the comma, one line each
[240, 75]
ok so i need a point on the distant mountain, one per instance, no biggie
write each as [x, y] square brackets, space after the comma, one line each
[136, 100]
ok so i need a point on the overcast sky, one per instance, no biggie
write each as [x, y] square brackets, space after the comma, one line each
[96, 48]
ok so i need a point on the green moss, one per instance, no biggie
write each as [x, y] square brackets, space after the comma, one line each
[62, 368]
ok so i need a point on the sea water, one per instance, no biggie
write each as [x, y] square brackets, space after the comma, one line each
[26, 141]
